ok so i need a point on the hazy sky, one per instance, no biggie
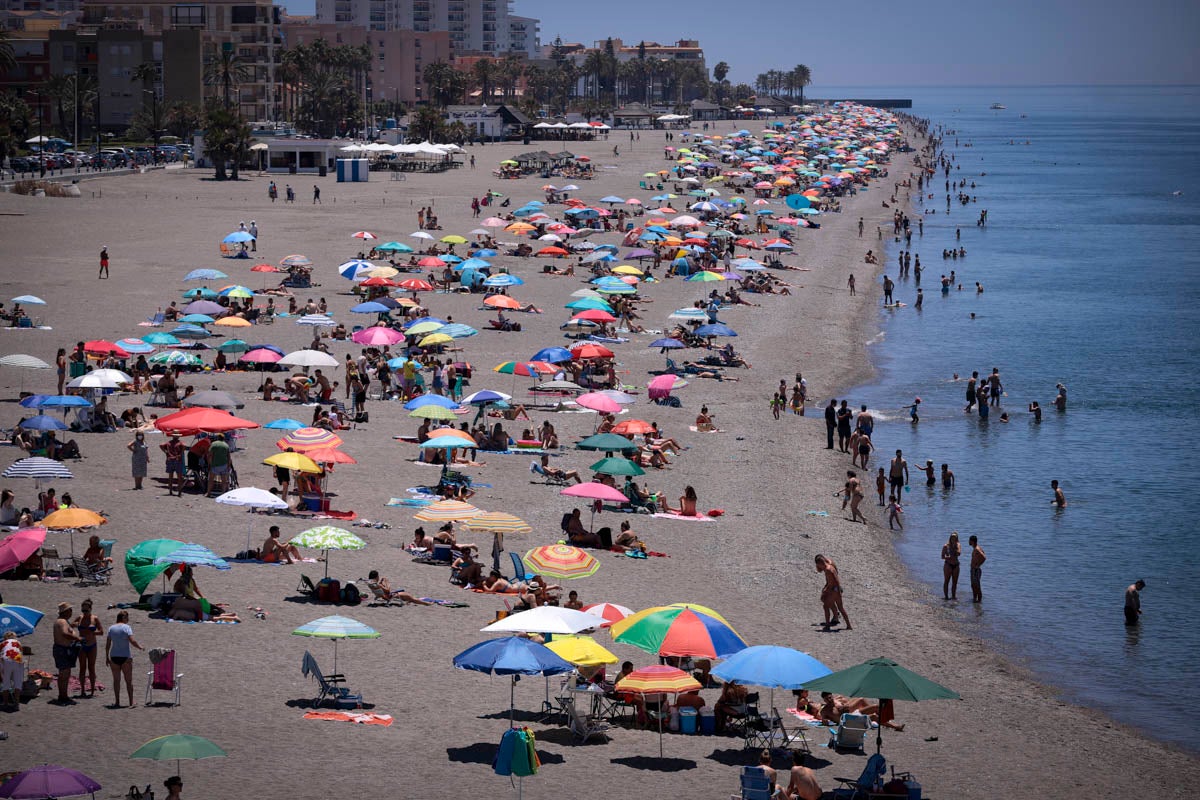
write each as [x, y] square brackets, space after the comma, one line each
[927, 42]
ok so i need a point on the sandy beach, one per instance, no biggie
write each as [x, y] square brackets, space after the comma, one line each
[1009, 735]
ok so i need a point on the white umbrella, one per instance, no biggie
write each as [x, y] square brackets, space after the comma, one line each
[320, 320]
[420, 235]
[22, 360]
[112, 374]
[251, 497]
[546, 619]
[91, 381]
[308, 358]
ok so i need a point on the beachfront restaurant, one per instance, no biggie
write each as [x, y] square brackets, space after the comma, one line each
[302, 156]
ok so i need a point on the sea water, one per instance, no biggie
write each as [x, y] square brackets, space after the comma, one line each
[1090, 264]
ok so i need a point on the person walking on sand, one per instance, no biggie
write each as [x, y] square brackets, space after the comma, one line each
[103, 262]
[831, 593]
[854, 494]
[1133, 602]
[831, 423]
[316, 194]
[1060, 499]
[951, 551]
[119, 656]
[850, 283]
[977, 559]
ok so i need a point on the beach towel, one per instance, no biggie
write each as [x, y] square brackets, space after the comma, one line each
[331, 514]
[445, 603]
[73, 686]
[682, 518]
[805, 717]
[818, 513]
[346, 716]
[485, 591]
[411, 502]
[270, 563]
[205, 622]
[694, 429]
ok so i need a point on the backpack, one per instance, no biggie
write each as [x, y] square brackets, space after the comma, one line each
[329, 590]
[351, 596]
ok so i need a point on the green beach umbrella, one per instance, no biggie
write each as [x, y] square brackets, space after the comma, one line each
[394, 247]
[607, 442]
[883, 679]
[335, 628]
[139, 561]
[178, 747]
[433, 411]
[616, 466]
[327, 537]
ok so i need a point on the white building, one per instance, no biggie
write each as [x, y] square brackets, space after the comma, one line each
[486, 27]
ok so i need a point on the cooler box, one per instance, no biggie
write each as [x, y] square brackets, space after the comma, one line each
[687, 720]
[353, 170]
[708, 722]
[77, 368]
[441, 552]
[315, 502]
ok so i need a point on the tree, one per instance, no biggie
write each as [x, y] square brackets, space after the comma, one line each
[512, 69]
[183, 119]
[61, 90]
[445, 83]
[484, 72]
[228, 71]
[801, 77]
[720, 71]
[147, 122]
[226, 138]
[14, 124]
[8, 56]
[427, 124]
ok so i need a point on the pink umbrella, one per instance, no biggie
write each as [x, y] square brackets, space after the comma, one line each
[598, 402]
[661, 386]
[19, 546]
[595, 491]
[377, 336]
[261, 355]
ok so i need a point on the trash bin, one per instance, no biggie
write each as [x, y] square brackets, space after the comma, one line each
[708, 722]
[687, 720]
[324, 170]
[291, 169]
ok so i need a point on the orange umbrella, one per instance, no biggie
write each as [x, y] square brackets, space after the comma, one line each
[330, 455]
[632, 427]
[501, 301]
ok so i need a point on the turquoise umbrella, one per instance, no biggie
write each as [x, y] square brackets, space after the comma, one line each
[335, 628]
[178, 747]
[196, 555]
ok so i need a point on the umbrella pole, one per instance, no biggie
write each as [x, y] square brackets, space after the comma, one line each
[512, 702]
[879, 730]
[335, 672]
[660, 716]
[326, 563]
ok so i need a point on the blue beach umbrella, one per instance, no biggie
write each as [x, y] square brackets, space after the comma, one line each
[197, 319]
[475, 262]
[205, 275]
[196, 555]
[190, 332]
[485, 396]
[667, 343]
[456, 330]
[64, 401]
[370, 307]
[397, 362]
[353, 269]
[445, 443]
[136, 346]
[285, 424]
[771, 666]
[512, 655]
[160, 338]
[486, 252]
[21, 620]
[32, 400]
[552, 355]
[503, 279]
[715, 329]
[237, 237]
[234, 346]
[43, 423]
[429, 400]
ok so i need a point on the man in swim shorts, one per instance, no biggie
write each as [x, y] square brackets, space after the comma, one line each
[898, 473]
[1133, 602]
[977, 559]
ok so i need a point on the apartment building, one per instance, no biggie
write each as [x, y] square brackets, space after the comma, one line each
[486, 27]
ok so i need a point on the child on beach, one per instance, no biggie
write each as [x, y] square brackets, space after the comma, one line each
[880, 485]
[912, 410]
[894, 512]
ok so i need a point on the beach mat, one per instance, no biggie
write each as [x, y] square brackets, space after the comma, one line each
[681, 518]
[694, 429]
[410, 502]
[346, 716]
[445, 603]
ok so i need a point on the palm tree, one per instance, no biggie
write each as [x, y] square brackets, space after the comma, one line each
[445, 83]
[228, 70]
[484, 72]
[8, 56]
[801, 77]
[594, 68]
[61, 91]
[226, 138]
[512, 68]
[14, 123]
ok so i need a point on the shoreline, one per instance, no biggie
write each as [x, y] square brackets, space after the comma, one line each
[754, 565]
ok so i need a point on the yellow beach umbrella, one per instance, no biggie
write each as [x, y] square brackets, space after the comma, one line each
[297, 462]
[432, 411]
[626, 269]
[582, 651]
[435, 339]
[233, 322]
[453, 238]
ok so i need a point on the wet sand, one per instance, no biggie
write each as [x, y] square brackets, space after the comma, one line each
[243, 688]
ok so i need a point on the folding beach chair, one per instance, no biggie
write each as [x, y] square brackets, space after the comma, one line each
[90, 574]
[583, 726]
[536, 469]
[164, 678]
[520, 571]
[851, 733]
[328, 687]
[755, 785]
[863, 787]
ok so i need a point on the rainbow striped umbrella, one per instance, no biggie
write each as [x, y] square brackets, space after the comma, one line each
[562, 561]
[678, 631]
[447, 511]
[658, 679]
[304, 439]
[498, 522]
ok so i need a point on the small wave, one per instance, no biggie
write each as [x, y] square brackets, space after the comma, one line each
[876, 339]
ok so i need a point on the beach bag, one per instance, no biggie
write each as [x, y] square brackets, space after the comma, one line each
[351, 596]
[361, 417]
[329, 590]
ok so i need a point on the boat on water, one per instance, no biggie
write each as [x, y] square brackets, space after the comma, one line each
[997, 107]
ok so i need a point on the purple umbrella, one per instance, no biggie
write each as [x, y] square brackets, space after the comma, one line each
[203, 307]
[640, 253]
[48, 781]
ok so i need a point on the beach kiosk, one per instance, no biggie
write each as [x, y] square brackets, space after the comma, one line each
[353, 170]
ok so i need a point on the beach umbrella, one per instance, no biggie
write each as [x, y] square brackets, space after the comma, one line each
[140, 561]
[21, 620]
[434, 339]
[41, 422]
[29, 300]
[295, 260]
[715, 329]
[176, 358]
[309, 358]
[203, 307]
[588, 350]
[377, 336]
[678, 631]
[658, 679]
[485, 396]
[635, 427]
[38, 468]
[72, 519]
[100, 347]
[319, 321]
[64, 401]
[583, 304]
[497, 522]
[545, 619]
[607, 442]
[304, 439]
[49, 781]
[502, 301]
[364, 235]
[237, 237]
[370, 307]
[191, 421]
[233, 346]
[582, 651]
[530, 369]
[705, 276]
[562, 561]
[771, 666]
[598, 402]
[687, 314]
[233, 322]
[159, 338]
[252, 497]
[610, 611]
[430, 399]
[284, 424]
[213, 398]
[326, 538]
[447, 511]
[23, 361]
[296, 462]
[200, 293]
[205, 275]
[189, 331]
[616, 466]
[447, 442]
[667, 343]
[394, 247]
[330, 455]
[178, 747]
[261, 355]
[504, 279]
[354, 268]
[195, 555]
[433, 411]
[336, 628]
[552, 355]
[515, 656]
[17, 547]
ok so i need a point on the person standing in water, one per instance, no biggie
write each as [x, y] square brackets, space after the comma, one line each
[1133, 602]
[977, 559]
[1060, 499]
[951, 551]
[971, 391]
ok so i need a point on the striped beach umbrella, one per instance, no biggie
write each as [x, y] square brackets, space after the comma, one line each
[37, 468]
[447, 511]
[562, 561]
[304, 439]
[21, 620]
[498, 522]
[610, 611]
[24, 361]
[658, 679]
[433, 411]
[336, 627]
[176, 358]
[196, 555]
[678, 631]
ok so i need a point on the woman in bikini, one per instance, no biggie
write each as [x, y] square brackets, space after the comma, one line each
[89, 627]
[951, 550]
[831, 593]
[687, 503]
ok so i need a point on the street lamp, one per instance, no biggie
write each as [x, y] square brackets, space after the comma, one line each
[153, 119]
[41, 137]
